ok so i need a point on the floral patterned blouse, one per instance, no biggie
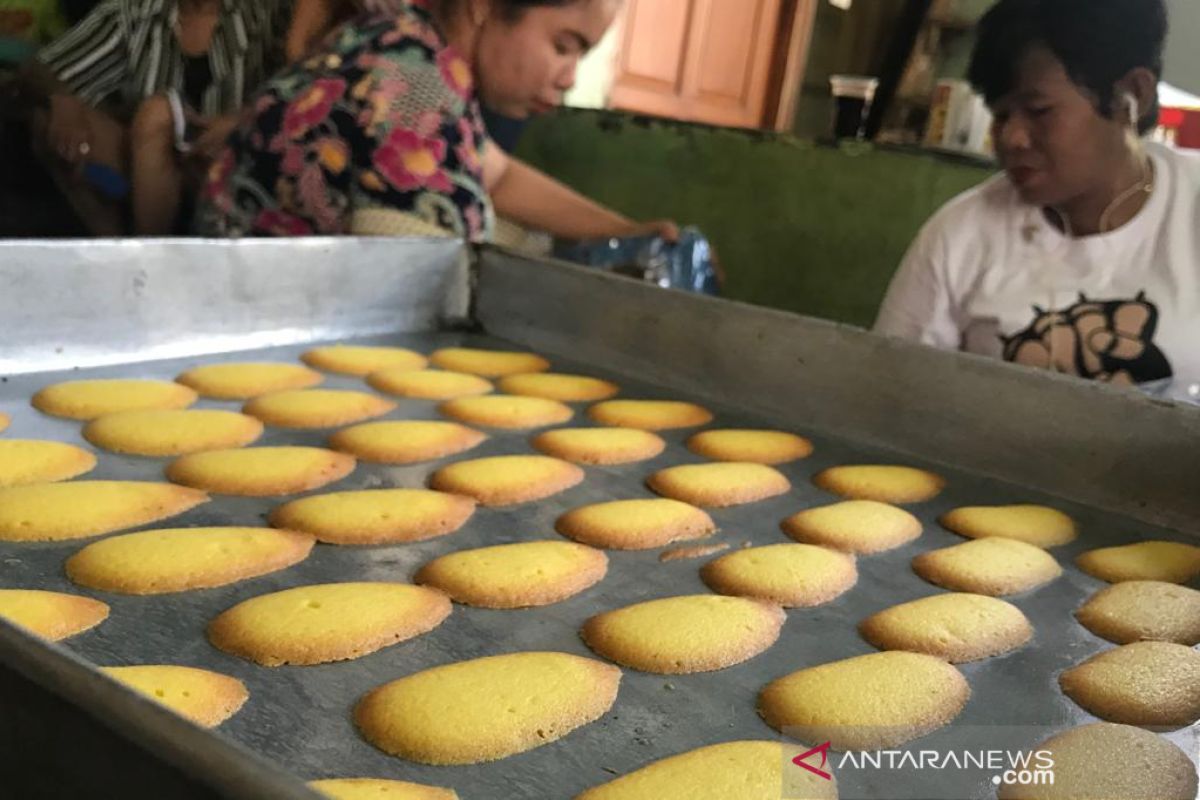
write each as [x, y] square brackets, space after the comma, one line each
[386, 119]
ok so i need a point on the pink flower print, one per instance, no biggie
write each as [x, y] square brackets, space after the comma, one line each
[456, 73]
[274, 222]
[314, 199]
[293, 160]
[408, 161]
[312, 106]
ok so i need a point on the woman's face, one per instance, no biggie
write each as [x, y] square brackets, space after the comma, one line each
[1049, 136]
[526, 64]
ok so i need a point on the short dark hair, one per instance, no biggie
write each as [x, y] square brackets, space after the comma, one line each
[1097, 41]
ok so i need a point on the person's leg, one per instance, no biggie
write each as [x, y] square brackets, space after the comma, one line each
[157, 177]
[101, 216]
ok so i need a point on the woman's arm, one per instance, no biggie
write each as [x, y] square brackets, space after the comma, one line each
[535, 200]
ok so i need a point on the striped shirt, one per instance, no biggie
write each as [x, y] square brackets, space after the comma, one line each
[126, 51]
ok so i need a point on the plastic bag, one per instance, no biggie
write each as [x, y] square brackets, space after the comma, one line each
[687, 264]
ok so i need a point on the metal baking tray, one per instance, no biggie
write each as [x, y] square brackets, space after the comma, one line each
[1125, 466]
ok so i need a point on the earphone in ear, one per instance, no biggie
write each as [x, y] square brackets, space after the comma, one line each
[1135, 113]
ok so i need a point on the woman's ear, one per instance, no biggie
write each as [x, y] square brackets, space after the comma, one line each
[1136, 97]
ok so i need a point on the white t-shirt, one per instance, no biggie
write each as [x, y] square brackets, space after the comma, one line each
[989, 274]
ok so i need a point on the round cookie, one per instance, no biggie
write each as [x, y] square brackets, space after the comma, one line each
[506, 411]
[317, 408]
[956, 627]
[507, 480]
[428, 384]
[685, 635]
[86, 400]
[261, 471]
[910, 695]
[600, 446]
[362, 361]
[635, 524]
[1037, 525]
[160, 434]
[792, 575]
[206, 698]
[332, 622]
[486, 709]
[991, 566]
[719, 485]
[741, 770]
[563, 388]
[883, 483]
[246, 380]
[753, 446]
[1144, 683]
[1094, 761]
[375, 516]
[1136, 611]
[183, 559]
[488, 363]
[649, 415]
[55, 512]
[1170, 562]
[26, 461]
[405, 442]
[863, 527]
[374, 789]
[521, 575]
[51, 615]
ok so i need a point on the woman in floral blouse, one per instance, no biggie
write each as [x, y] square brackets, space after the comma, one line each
[381, 132]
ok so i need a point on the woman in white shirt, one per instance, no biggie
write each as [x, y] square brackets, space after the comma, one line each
[1084, 257]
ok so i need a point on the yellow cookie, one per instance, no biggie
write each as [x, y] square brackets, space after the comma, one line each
[5, 421]
[564, 388]
[719, 485]
[332, 622]
[1037, 525]
[1136, 611]
[206, 698]
[1171, 562]
[488, 363]
[25, 461]
[86, 400]
[635, 524]
[684, 635]
[1097, 761]
[520, 575]
[792, 575]
[428, 384]
[874, 702]
[992, 566]
[172, 433]
[405, 442]
[179, 560]
[886, 484]
[757, 447]
[650, 415]
[600, 446]
[247, 380]
[376, 516]
[261, 471]
[956, 627]
[51, 615]
[373, 789]
[1145, 683]
[488, 708]
[741, 770]
[317, 408]
[506, 411]
[362, 361]
[53, 512]
[507, 480]
[863, 527]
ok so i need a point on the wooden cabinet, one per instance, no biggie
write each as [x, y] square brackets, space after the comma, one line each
[722, 62]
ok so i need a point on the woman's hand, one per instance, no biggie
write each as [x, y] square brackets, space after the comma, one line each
[69, 130]
[211, 142]
[665, 228]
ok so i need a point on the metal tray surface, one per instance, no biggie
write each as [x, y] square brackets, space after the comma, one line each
[300, 716]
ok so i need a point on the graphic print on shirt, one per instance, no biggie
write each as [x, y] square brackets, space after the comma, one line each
[1104, 340]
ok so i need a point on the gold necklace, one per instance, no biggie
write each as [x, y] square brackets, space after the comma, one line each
[1144, 186]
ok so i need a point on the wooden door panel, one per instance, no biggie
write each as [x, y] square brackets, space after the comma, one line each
[728, 85]
[656, 41]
